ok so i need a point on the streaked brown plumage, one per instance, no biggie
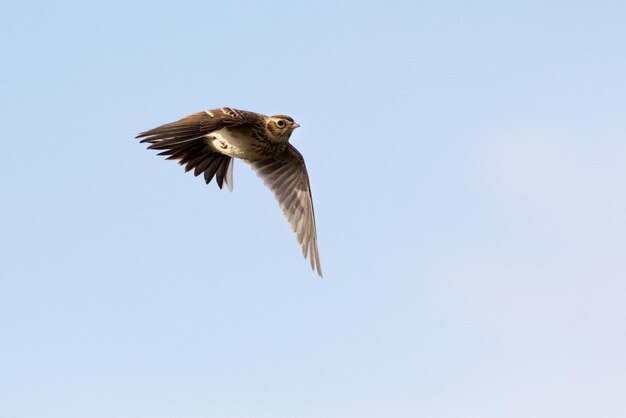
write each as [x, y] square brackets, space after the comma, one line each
[207, 142]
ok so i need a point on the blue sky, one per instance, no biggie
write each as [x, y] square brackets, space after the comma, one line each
[467, 166]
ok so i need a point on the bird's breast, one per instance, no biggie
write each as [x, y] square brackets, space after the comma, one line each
[234, 143]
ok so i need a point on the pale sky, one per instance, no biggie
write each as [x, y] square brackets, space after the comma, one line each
[467, 162]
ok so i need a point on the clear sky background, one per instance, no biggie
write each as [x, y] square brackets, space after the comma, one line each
[467, 161]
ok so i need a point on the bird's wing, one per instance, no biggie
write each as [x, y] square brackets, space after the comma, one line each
[287, 177]
[184, 140]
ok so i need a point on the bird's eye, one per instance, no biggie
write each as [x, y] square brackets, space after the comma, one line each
[280, 123]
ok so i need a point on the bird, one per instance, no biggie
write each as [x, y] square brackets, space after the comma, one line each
[207, 142]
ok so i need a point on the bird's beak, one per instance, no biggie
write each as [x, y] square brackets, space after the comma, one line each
[294, 126]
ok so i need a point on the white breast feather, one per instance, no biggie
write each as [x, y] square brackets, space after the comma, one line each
[229, 143]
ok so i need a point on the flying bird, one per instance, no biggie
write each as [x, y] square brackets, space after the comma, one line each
[208, 142]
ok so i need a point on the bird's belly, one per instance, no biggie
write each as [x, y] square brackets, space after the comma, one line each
[231, 143]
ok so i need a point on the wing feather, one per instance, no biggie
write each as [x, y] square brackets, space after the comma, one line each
[287, 177]
[185, 141]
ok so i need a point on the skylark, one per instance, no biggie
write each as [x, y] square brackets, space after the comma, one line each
[209, 141]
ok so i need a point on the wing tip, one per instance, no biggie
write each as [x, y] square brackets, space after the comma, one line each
[318, 267]
[314, 258]
[319, 272]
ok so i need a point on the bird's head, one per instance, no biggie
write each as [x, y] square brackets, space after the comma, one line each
[280, 127]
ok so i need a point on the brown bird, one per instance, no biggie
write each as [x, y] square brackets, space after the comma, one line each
[208, 142]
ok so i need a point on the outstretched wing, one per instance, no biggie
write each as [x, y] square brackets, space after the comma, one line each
[287, 177]
[185, 141]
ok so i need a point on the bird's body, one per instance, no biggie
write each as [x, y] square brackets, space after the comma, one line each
[234, 143]
[208, 141]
